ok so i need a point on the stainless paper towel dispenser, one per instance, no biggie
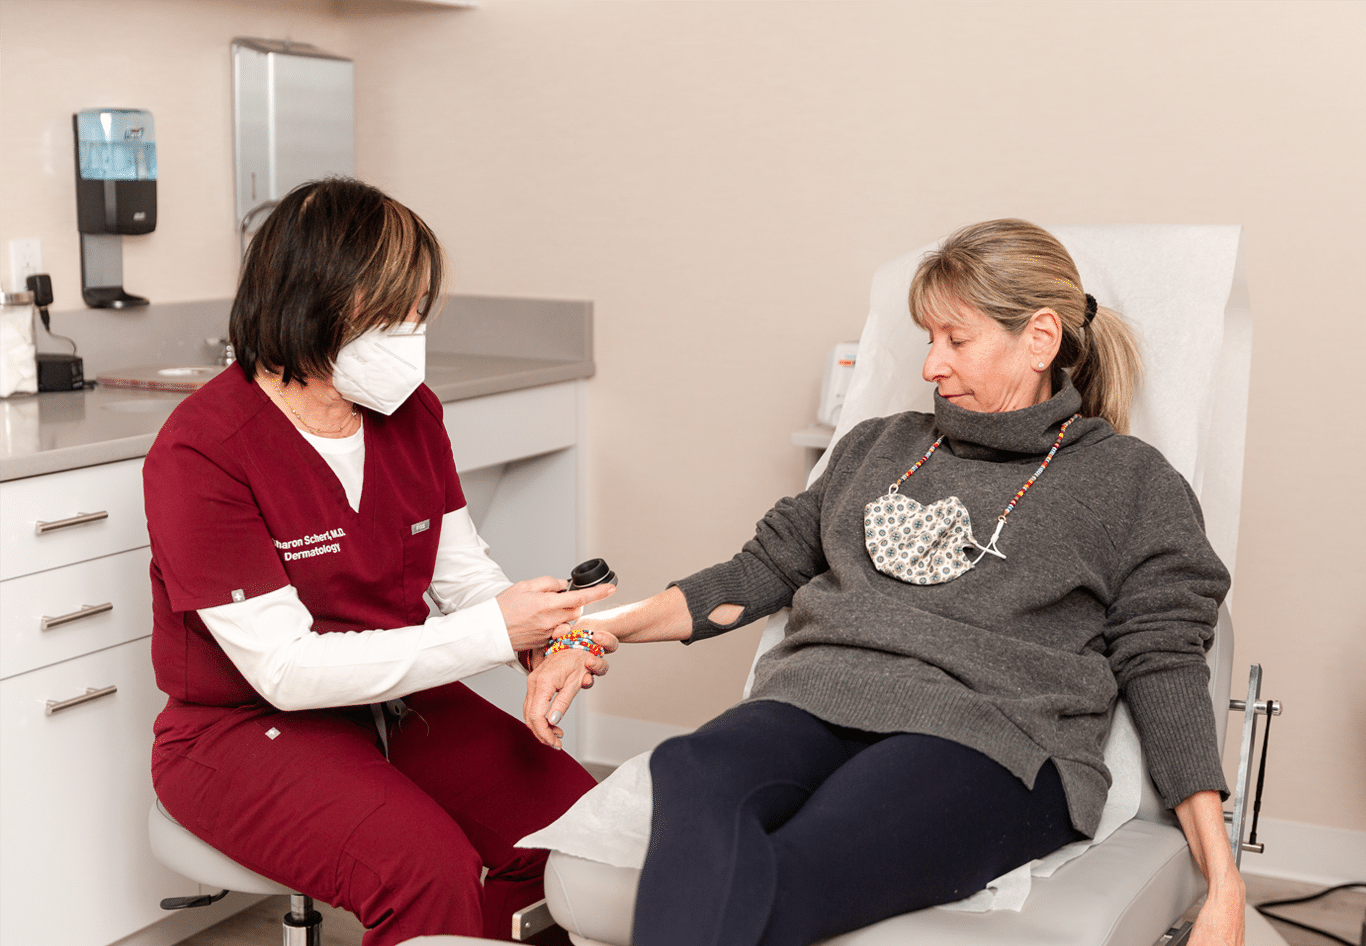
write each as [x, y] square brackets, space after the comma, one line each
[294, 120]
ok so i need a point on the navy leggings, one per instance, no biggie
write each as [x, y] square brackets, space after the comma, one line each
[772, 827]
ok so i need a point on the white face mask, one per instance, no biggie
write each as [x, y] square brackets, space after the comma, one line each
[381, 368]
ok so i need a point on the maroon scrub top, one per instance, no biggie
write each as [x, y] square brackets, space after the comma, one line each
[240, 504]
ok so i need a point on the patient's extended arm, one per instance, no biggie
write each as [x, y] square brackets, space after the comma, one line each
[1220, 922]
[555, 682]
[662, 617]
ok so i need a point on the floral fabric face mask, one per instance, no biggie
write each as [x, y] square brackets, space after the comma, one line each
[929, 545]
[922, 545]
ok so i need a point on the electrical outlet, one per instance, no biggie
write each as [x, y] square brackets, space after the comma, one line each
[25, 259]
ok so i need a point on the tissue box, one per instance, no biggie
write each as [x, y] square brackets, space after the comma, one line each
[18, 374]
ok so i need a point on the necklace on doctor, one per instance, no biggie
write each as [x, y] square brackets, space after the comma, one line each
[319, 431]
[925, 545]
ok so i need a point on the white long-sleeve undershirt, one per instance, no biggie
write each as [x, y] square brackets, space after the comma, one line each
[271, 641]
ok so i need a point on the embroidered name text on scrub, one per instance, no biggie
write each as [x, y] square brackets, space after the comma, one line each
[312, 542]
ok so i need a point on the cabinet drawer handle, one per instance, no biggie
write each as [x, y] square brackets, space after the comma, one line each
[87, 610]
[76, 520]
[53, 706]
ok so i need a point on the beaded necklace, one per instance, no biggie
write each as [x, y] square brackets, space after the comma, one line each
[1023, 489]
[927, 545]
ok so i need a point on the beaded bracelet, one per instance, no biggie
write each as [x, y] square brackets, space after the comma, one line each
[578, 639]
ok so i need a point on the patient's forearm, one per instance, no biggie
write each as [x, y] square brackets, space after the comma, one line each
[1202, 820]
[663, 617]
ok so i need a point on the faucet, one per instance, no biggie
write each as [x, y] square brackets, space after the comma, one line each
[226, 356]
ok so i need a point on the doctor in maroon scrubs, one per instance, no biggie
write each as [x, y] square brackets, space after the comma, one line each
[301, 505]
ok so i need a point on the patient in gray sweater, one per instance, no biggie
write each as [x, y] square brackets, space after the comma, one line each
[1107, 583]
[935, 715]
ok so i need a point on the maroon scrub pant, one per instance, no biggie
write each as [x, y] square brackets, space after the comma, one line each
[309, 800]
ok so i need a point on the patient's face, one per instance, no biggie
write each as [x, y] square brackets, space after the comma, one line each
[980, 366]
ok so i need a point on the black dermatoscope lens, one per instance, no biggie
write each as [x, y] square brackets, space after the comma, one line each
[592, 572]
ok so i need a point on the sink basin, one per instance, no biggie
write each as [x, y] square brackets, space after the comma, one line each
[180, 378]
[147, 406]
[197, 371]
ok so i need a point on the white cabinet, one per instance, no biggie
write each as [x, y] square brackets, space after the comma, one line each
[72, 516]
[75, 864]
[520, 458]
[62, 613]
[77, 701]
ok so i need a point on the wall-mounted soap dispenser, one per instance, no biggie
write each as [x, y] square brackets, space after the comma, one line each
[116, 193]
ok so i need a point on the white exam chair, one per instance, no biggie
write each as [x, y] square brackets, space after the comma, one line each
[1184, 289]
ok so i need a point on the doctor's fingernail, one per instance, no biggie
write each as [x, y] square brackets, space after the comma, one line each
[555, 717]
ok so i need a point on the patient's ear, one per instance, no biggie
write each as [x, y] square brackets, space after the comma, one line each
[1043, 335]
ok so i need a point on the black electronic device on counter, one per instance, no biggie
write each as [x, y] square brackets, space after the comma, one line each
[56, 371]
[59, 372]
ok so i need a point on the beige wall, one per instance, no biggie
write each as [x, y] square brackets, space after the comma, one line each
[168, 56]
[722, 179]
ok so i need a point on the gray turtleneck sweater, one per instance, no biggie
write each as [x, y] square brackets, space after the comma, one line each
[1108, 586]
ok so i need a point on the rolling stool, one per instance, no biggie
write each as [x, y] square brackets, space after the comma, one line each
[190, 857]
[187, 855]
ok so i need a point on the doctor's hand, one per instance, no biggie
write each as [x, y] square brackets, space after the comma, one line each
[552, 686]
[539, 609]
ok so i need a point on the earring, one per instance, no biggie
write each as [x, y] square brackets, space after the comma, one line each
[1042, 366]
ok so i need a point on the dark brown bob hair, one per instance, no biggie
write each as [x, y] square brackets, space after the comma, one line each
[335, 259]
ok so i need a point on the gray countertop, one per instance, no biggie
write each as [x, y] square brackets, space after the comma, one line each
[480, 345]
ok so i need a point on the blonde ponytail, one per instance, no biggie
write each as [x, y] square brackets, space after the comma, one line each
[1107, 368]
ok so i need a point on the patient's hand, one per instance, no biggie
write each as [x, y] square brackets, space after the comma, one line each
[1220, 921]
[1221, 918]
[557, 679]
